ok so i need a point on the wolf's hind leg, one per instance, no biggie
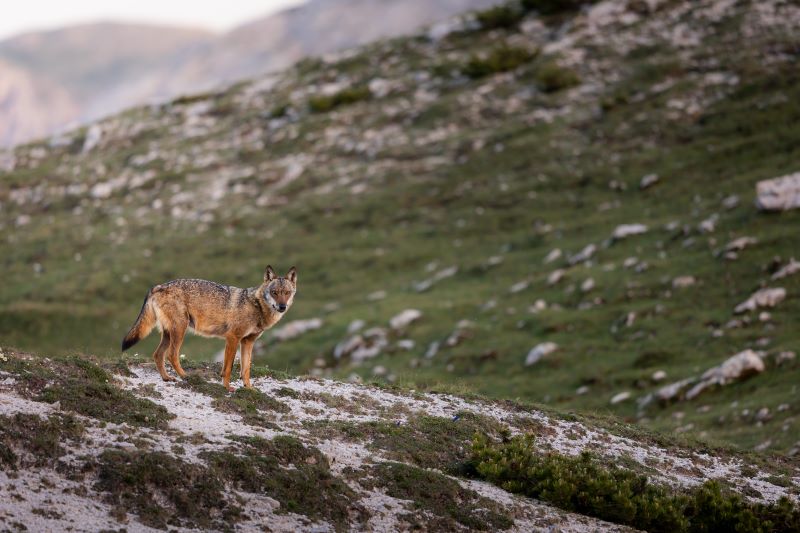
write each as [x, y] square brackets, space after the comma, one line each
[176, 341]
[159, 354]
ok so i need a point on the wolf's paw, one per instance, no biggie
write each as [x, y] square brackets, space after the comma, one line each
[169, 379]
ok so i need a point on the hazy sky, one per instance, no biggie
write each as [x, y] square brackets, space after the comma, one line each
[26, 15]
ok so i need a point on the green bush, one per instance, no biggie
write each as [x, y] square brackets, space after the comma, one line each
[324, 103]
[504, 16]
[552, 7]
[551, 77]
[502, 59]
[584, 485]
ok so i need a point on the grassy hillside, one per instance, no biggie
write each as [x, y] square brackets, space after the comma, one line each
[474, 154]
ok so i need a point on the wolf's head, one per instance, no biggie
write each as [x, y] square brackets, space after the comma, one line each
[279, 292]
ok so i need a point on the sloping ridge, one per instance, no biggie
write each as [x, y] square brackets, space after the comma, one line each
[88, 449]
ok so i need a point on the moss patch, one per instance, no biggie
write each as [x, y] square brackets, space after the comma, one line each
[427, 441]
[451, 505]
[251, 404]
[25, 434]
[163, 490]
[297, 476]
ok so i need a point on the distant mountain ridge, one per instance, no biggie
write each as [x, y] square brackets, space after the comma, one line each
[51, 79]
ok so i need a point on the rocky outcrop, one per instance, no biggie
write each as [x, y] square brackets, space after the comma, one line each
[779, 194]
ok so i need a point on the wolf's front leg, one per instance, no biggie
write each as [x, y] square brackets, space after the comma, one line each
[231, 343]
[247, 358]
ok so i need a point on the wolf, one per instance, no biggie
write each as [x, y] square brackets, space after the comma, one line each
[209, 309]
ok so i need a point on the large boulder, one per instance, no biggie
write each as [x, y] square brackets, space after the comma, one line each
[779, 194]
[736, 368]
[762, 298]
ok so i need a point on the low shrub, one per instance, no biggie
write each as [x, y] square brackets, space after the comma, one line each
[552, 77]
[502, 16]
[501, 59]
[584, 485]
[324, 103]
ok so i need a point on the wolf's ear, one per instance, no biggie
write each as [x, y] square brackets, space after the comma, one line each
[269, 274]
[292, 275]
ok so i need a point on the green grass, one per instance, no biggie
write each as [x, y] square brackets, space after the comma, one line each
[500, 184]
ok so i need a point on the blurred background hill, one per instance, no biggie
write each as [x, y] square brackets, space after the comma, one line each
[67, 76]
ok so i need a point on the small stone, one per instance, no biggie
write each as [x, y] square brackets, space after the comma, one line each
[682, 282]
[556, 276]
[658, 375]
[648, 181]
[730, 202]
[620, 397]
[539, 351]
[763, 415]
[785, 357]
[791, 268]
[587, 285]
[552, 256]
[582, 390]
[626, 230]
[405, 318]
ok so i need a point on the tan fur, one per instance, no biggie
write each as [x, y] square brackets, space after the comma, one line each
[209, 309]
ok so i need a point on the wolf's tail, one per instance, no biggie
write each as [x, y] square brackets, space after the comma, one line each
[144, 324]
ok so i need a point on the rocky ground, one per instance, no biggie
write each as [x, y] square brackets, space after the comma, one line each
[295, 453]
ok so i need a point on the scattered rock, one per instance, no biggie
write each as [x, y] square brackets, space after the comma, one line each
[763, 415]
[779, 194]
[433, 349]
[626, 230]
[405, 318]
[554, 255]
[406, 344]
[762, 298]
[793, 267]
[738, 367]
[583, 389]
[682, 282]
[375, 296]
[587, 285]
[519, 286]
[296, 328]
[785, 357]
[422, 286]
[740, 244]
[708, 225]
[620, 397]
[584, 255]
[556, 276]
[463, 331]
[539, 351]
[93, 136]
[730, 202]
[355, 326]
[648, 181]
[658, 375]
